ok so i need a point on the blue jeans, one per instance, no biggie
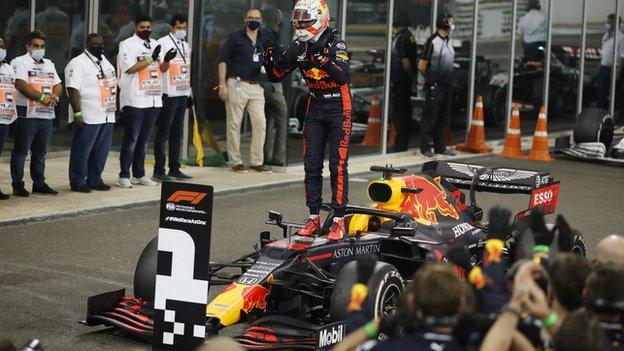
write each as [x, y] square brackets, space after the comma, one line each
[139, 123]
[169, 127]
[4, 131]
[89, 152]
[31, 134]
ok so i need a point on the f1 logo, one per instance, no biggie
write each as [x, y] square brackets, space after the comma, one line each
[193, 197]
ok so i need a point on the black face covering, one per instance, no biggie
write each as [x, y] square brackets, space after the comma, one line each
[96, 51]
[253, 25]
[144, 34]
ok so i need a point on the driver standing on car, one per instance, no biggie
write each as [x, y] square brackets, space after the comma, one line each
[436, 65]
[322, 57]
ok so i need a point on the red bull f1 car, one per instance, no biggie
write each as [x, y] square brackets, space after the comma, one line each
[294, 290]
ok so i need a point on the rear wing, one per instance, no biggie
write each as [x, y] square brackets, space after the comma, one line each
[542, 187]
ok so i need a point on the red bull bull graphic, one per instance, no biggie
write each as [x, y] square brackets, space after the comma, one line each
[237, 298]
[316, 74]
[255, 297]
[430, 202]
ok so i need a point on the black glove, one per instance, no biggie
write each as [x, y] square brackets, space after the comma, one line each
[300, 48]
[459, 256]
[267, 55]
[170, 54]
[566, 236]
[541, 234]
[156, 53]
[499, 226]
[189, 102]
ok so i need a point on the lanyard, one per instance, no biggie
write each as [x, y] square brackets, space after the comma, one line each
[98, 65]
[182, 52]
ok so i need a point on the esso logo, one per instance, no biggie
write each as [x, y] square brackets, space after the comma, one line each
[542, 198]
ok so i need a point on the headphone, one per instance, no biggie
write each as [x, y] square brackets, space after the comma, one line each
[443, 20]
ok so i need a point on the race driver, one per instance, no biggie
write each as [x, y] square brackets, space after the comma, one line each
[322, 58]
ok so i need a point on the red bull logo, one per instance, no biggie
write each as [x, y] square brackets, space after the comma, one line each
[316, 74]
[254, 296]
[428, 203]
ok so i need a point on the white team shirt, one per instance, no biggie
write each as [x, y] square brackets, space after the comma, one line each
[95, 81]
[607, 49]
[8, 94]
[42, 77]
[177, 80]
[144, 88]
[533, 26]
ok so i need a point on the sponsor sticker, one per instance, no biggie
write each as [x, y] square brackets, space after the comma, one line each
[545, 198]
[329, 335]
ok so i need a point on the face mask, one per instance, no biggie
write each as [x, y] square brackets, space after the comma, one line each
[608, 27]
[452, 28]
[253, 25]
[37, 54]
[144, 34]
[3, 54]
[96, 51]
[180, 34]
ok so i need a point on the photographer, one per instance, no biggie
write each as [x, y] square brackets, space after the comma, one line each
[611, 249]
[604, 298]
[435, 297]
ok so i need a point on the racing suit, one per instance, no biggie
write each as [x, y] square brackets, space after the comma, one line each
[324, 65]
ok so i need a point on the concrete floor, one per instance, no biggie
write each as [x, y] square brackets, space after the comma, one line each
[48, 269]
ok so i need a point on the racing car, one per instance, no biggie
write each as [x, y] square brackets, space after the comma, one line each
[596, 139]
[529, 86]
[294, 288]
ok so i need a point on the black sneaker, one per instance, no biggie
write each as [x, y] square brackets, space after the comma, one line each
[44, 189]
[428, 153]
[80, 189]
[20, 191]
[4, 196]
[179, 175]
[101, 187]
[162, 178]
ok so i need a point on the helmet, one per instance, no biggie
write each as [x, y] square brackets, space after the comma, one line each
[310, 18]
[443, 20]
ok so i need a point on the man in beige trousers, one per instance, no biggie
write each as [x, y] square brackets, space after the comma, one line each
[240, 62]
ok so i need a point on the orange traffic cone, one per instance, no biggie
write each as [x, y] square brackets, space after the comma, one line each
[513, 144]
[539, 151]
[476, 137]
[373, 129]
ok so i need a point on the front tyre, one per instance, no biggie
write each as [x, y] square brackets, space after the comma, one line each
[385, 288]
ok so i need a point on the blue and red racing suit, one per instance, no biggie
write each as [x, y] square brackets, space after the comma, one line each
[325, 66]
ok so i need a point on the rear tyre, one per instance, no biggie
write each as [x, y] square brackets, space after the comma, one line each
[594, 125]
[385, 288]
[145, 272]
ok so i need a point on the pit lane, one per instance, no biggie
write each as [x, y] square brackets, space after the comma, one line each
[48, 269]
